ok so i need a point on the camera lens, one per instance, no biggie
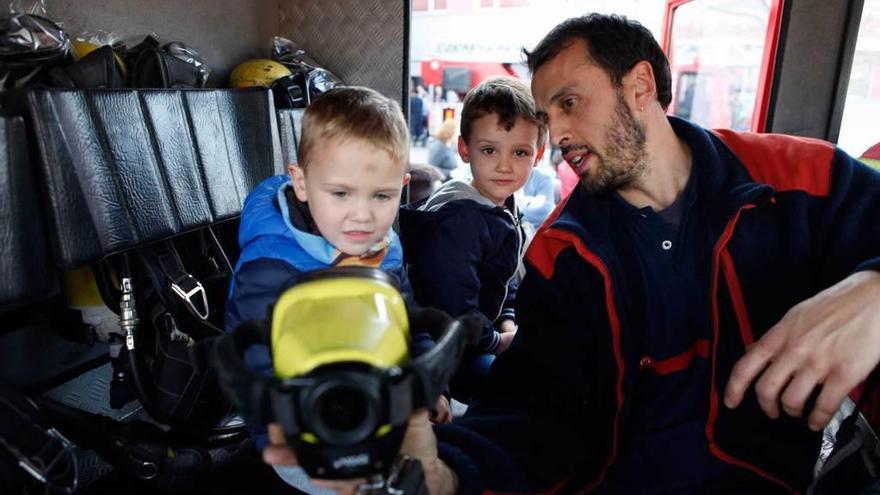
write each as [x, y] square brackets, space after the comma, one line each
[342, 408]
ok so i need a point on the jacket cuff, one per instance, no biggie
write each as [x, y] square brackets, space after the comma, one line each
[871, 264]
[494, 342]
[507, 314]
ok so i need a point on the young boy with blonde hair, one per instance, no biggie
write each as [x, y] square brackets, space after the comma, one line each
[335, 207]
[465, 242]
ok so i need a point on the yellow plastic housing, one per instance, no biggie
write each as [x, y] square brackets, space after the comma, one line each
[339, 320]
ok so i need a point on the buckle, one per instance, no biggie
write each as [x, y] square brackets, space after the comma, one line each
[193, 288]
[39, 466]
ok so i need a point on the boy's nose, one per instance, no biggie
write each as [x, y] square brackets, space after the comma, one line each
[504, 164]
[361, 213]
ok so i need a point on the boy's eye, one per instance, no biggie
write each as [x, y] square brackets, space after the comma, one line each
[522, 153]
[340, 194]
[568, 103]
[382, 196]
[488, 151]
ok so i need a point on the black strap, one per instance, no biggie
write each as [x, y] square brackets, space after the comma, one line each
[248, 387]
[45, 454]
[181, 293]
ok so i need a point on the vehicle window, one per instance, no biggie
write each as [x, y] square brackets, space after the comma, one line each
[717, 49]
[860, 125]
[455, 44]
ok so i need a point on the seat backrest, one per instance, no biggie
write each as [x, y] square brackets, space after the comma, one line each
[128, 167]
[290, 131]
[25, 267]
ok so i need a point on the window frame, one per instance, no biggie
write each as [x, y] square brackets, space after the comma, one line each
[768, 60]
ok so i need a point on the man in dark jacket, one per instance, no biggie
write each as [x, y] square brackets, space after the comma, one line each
[686, 266]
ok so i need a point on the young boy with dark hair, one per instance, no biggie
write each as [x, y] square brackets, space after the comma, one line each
[464, 243]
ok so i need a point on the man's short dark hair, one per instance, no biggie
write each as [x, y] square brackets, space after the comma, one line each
[615, 44]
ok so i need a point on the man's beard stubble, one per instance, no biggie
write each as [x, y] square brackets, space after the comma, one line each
[624, 159]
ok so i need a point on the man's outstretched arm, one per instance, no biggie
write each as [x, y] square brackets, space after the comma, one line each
[832, 339]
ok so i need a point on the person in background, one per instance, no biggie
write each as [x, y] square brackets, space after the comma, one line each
[424, 180]
[416, 117]
[440, 153]
[872, 156]
[538, 197]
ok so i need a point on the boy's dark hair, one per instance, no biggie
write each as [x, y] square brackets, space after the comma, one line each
[354, 112]
[614, 42]
[508, 98]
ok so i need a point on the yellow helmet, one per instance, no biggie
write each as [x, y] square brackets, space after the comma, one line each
[257, 72]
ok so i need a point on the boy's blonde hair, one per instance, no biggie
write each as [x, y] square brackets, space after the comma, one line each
[508, 98]
[354, 112]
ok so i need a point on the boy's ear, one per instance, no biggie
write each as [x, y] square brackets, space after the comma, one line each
[298, 177]
[462, 150]
[406, 178]
[539, 154]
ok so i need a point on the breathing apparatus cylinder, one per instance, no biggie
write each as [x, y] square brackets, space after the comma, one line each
[345, 384]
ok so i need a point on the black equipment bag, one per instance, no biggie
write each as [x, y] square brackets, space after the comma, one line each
[175, 309]
[98, 69]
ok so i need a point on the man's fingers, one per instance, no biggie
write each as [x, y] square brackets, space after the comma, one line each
[798, 391]
[769, 387]
[834, 391]
[341, 486]
[279, 456]
[278, 453]
[745, 371]
[276, 434]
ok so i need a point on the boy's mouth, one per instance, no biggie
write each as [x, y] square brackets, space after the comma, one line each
[502, 182]
[358, 235]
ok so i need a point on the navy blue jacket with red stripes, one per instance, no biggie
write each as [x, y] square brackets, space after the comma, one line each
[789, 217]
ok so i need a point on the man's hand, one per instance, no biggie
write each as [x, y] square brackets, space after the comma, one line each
[419, 442]
[278, 453]
[831, 339]
[444, 411]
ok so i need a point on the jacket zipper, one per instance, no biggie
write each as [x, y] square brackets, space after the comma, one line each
[519, 255]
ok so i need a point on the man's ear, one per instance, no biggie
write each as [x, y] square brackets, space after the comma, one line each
[406, 178]
[641, 84]
[298, 177]
[539, 154]
[462, 150]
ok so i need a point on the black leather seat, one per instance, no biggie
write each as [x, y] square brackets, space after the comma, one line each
[128, 167]
[25, 269]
